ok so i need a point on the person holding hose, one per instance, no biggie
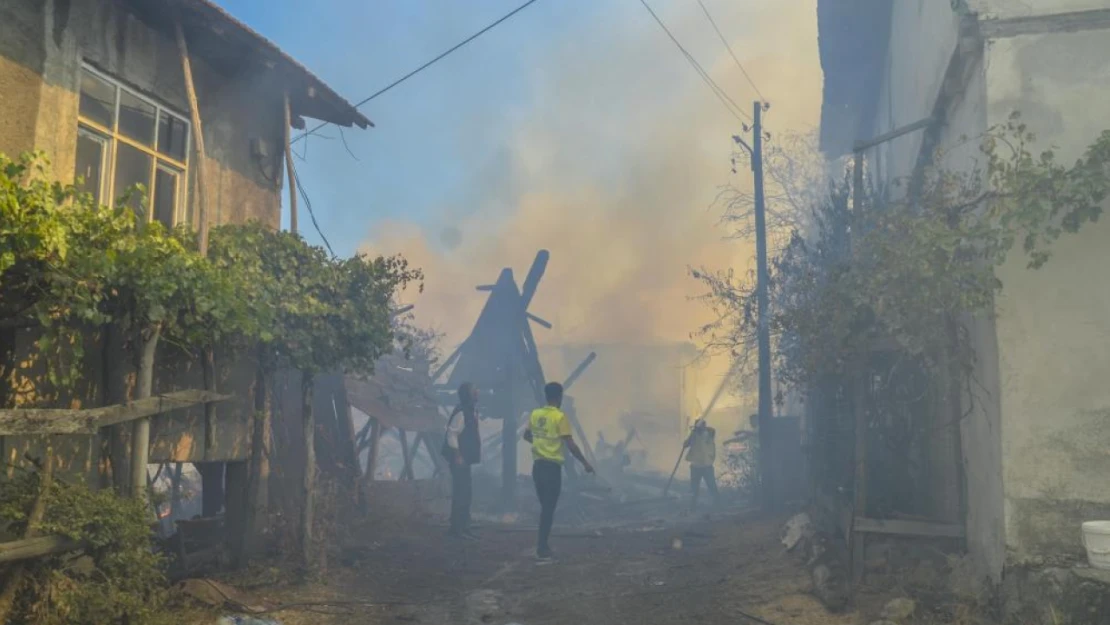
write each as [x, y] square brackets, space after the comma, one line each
[549, 431]
[462, 449]
[703, 452]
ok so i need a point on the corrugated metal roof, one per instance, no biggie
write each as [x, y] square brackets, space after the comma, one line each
[853, 36]
[227, 43]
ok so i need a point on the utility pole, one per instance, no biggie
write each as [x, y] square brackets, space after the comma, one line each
[764, 330]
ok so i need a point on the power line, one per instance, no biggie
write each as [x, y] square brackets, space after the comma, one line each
[731, 53]
[428, 64]
[729, 103]
[311, 214]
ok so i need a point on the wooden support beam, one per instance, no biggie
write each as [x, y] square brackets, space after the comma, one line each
[290, 177]
[372, 453]
[532, 280]
[579, 370]
[30, 421]
[543, 322]
[899, 527]
[198, 138]
[1069, 22]
[860, 397]
[861, 146]
[236, 519]
[433, 453]
[30, 548]
[413, 451]
[406, 471]
[587, 448]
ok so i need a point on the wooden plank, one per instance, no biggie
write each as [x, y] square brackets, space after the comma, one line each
[907, 528]
[20, 422]
[197, 136]
[38, 547]
[1070, 22]
[867, 144]
[288, 148]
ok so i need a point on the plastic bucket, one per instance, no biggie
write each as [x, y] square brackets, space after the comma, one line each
[1096, 539]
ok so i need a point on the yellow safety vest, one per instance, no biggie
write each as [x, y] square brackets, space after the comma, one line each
[549, 425]
[703, 451]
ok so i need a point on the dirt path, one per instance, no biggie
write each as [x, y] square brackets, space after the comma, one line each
[706, 571]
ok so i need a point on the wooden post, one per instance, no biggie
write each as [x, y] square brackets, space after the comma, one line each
[406, 472]
[859, 399]
[413, 452]
[437, 460]
[309, 486]
[211, 487]
[38, 512]
[257, 488]
[860, 384]
[289, 168]
[140, 428]
[236, 511]
[372, 452]
[198, 138]
[208, 367]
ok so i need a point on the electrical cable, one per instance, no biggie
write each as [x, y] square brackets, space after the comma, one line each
[731, 53]
[428, 64]
[729, 103]
[311, 214]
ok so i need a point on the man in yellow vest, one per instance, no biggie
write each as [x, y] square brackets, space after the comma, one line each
[548, 432]
[703, 452]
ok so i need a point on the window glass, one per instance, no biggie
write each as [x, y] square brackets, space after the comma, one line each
[136, 118]
[172, 132]
[90, 162]
[165, 195]
[133, 167]
[98, 99]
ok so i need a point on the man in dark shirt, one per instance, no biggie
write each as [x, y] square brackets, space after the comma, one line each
[464, 449]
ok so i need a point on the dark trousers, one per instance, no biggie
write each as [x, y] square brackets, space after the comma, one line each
[461, 495]
[697, 474]
[548, 478]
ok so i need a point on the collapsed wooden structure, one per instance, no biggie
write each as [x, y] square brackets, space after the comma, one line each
[501, 359]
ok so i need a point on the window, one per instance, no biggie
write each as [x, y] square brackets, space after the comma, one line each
[125, 139]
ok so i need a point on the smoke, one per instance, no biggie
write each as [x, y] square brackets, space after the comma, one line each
[613, 165]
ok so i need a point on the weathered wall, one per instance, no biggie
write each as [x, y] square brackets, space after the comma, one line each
[923, 37]
[1054, 324]
[21, 60]
[42, 45]
[1004, 9]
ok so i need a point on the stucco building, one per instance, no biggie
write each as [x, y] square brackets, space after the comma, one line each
[100, 87]
[1034, 449]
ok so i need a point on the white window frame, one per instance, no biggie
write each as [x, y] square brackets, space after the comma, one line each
[112, 137]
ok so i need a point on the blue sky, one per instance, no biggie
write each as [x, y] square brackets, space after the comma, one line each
[435, 131]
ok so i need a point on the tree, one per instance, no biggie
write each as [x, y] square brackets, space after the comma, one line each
[905, 271]
[795, 181]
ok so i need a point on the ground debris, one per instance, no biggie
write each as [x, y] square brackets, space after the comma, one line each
[899, 610]
[799, 528]
[220, 595]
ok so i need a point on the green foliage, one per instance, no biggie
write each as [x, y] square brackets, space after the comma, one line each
[312, 312]
[117, 578]
[903, 272]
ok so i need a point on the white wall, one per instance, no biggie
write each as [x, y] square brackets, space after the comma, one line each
[923, 37]
[1053, 325]
[1004, 9]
